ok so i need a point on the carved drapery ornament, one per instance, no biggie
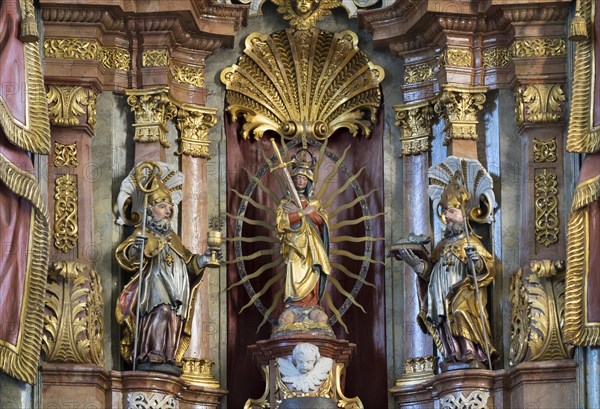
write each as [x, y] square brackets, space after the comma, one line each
[65, 213]
[194, 124]
[152, 109]
[546, 207]
[538, 312]
[327, 84]
[66, 104]
[415, 121]
[539, 103]
[65, 155]
[459, 105]
[72, 49]
[74, 324]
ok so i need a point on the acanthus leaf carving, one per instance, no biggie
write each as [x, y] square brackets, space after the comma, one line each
[415, 123]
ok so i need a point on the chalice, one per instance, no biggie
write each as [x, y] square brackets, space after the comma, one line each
[214, 240]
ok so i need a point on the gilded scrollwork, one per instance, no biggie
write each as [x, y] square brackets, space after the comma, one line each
[155, 58]
[325, 84]
[456, 57]
[538, 313]
[194, 124]
[546, 207]
[66, 104]
[544, 151]
[73, 319]
[185, 74]
[538, 48]
[73, 49]
[415, 121]
[496, 57]
[65, 213]
[418, 73]
[65, 155]
[152, 109]
[459, 107]
[539, 103]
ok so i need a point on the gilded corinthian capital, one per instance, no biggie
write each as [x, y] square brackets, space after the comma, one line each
[459, 105]
[195, 122]
[415, 122]
[152, 109]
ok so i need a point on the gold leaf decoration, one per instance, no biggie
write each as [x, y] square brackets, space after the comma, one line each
[185, 74]
[546, 208]
[496, 57]
[456, 57]
[73, 319]
[155, 58]
[544, 151]
[67, 48]
[519, 319]
[304, 19]
[113, 57]
[539, 103]
[309, 82]
[65, 213]
[152, 108]
[194, 125]
[418, 73]
[415, 121]
[65, 155]
[539, 47]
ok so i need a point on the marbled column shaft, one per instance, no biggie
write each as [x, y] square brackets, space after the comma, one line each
[194, 216]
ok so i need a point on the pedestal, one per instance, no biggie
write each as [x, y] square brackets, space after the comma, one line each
[266, 353]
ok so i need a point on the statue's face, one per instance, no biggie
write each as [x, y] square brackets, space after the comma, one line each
[162, 211]
[453, 217]
[300, 181]
[305, 362]
[305, 7]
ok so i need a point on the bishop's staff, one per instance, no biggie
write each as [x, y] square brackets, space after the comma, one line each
[153, 171]
[283, 165]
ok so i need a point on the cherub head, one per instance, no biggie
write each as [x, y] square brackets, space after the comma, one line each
[304, 8]
[304, 357]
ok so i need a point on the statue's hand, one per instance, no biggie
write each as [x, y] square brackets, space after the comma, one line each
[473, 255]
[410, 258]
[309, 209]
[139, 245]
[289, 207]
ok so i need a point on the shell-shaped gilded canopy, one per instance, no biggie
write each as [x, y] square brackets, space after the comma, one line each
[303, 82]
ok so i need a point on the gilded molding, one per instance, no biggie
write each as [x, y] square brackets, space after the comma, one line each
[415, 121]
[185, 74]
[456, 57]
[263, 401]
[544, 151]
[152, 109]
[66, 105]
[65, 213]
[418, 370]
[538, 313]
[151, 400]
[475, 400]
[155, 58]
[546, 207]
[65, 155]
[73, 49]
[496, 57]
[199, 372]
[459, 107]
[322, 89]
[418, 73]
[539, 103]
[343, 401]
[538, 48]
[74, 323]
[194, 124]
[582, 136]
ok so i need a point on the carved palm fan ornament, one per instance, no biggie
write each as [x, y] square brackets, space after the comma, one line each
[303, 84]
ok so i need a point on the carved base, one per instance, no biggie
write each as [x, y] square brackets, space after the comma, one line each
[89, 386]
[199, 372]
[266, 353]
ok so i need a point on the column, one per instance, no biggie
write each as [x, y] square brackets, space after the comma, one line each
[415, 121]
[459, 105]
[194, 122]
[152, 108]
